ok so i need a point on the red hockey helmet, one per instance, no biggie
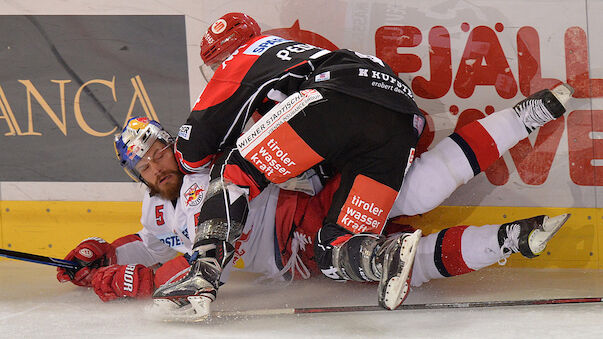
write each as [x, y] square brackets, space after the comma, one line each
[225, 35]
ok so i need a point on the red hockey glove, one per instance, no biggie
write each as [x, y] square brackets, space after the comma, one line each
[119, 281]
[91, 254]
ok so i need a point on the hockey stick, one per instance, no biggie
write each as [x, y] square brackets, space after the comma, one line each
[429, 306]
[38, 259]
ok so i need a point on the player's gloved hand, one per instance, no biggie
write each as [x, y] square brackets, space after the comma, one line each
[91, 254]
[120, 281]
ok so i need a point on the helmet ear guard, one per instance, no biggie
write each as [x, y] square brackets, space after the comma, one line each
[137, 137]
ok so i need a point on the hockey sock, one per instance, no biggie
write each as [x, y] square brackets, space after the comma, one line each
[505, 129]
[455, 251]
[483, 141]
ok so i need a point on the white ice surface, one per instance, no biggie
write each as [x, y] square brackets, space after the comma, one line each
[34, 305]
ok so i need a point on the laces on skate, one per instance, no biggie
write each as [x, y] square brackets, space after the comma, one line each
[543, 106]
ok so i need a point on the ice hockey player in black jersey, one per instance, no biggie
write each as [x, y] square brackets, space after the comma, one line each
[339, 110]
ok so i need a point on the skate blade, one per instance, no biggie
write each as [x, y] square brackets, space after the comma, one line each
[397, 287]
[563, 93]
[200, 305]
[539, 239]
[167, 311]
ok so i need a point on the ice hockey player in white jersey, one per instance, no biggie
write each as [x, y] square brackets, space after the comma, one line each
[125, 268]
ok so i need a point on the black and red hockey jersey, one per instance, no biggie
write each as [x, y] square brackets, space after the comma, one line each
[271, 67]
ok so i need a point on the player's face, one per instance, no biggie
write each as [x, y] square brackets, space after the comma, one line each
[160, 171]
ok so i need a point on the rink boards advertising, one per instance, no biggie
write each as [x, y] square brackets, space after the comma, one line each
[77, 74]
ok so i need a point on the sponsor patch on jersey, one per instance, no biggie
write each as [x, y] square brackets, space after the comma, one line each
[170, 240]
[418, 123]
[278, 115]
[185, 232]
[273, 147]
[367, 206]
[185, 132]
[411, 157]
[260, 46]
[219, 26]
[385, 81]
[193, 195]
[239, 252]
[324, 76]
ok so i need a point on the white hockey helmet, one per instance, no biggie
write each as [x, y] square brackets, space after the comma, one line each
[135, 140]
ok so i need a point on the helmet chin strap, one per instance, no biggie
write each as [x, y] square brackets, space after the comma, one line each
[205, 72]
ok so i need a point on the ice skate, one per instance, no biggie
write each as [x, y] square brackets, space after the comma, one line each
[529, 236]
[189, 298]
[543, 106]
[398, 255]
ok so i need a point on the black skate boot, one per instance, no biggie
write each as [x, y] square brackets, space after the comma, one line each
[529, 236]
[543, 106]
[396, 256]
[370, 257]
[189, 298]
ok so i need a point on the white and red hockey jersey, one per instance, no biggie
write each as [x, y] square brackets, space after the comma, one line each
[169, 229]
[168, 226]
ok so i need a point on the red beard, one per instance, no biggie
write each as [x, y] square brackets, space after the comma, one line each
[170, 190]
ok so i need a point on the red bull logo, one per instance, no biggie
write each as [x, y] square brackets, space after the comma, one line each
[139, 123]
[239, 252]
[131, 151]
[193, 195]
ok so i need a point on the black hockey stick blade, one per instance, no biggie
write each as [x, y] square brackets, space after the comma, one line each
[429, 306]
[39, 259]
